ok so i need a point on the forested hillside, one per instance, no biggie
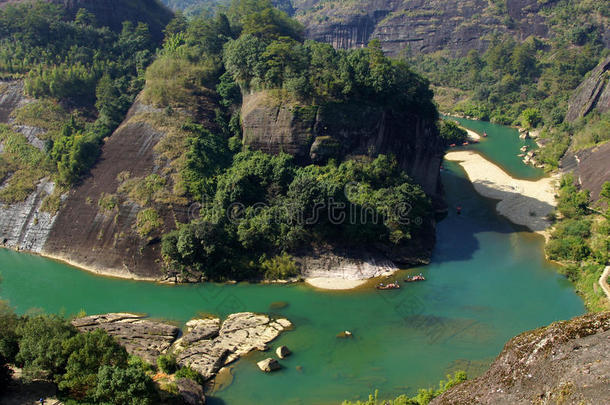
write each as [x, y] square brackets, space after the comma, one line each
[184, 141]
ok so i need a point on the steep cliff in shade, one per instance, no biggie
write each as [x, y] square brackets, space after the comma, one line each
[313, 134]
[592, 94]
[422, 26]
[566, 362]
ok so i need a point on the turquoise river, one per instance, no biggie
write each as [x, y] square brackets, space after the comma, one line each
[488, 281]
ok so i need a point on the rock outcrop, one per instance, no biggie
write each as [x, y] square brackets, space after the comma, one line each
[419, 26]
[592, 94]
[190, 391]
[23, 225]
[591, 167]
[566, 362]
[206, 346]
[268, 365]
[107, 241]
[317, 133]
[141, 337]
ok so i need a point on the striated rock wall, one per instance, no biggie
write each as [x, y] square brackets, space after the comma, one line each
[592, 94]
[421, 26]
[566, 362]
[23, 225]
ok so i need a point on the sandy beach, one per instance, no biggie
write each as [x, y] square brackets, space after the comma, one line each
[330, 283]
[521, 201]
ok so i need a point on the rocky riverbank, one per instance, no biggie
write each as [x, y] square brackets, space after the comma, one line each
[207, 345]
[565, 362]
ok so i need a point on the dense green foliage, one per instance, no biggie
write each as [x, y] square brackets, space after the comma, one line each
[93, 71]
[259, 209]
[265, 205]
[452, 133]
[423, 397]
[528, 83]
[581, 239]
[87, 367]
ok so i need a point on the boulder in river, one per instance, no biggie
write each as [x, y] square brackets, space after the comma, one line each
[238, 335]
[283, 352]
[268, 365]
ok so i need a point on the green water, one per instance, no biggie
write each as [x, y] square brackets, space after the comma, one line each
[502, 147]
[487, 282]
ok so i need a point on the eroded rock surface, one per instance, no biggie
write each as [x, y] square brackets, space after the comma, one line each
[566, 362]
[592, 94]
[238, 335]
[206, 346]
[141, 337]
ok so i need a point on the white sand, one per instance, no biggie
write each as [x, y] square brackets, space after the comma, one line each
[521, 201]
[473, 136]
[330, 283]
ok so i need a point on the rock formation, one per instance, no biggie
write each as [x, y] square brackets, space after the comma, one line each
[206, 346]
[141, 337]
[24, 225]
[419, 26]
[268, 365]
[316, 133]
[592, 94]
[565, 362]
[591, 167]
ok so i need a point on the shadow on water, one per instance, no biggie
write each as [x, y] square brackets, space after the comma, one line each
[457, 232]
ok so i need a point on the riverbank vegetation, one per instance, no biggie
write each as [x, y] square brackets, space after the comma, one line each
[529, 83]
[86, 367]
[580, 240]
[423, 397]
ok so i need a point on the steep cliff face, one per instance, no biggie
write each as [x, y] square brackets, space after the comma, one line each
[313, 134]
[23, 225]
[566, 362]
[592, 94]
[419, 26]
[106, 240]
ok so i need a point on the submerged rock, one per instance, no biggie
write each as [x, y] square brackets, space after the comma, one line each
[268, 365]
